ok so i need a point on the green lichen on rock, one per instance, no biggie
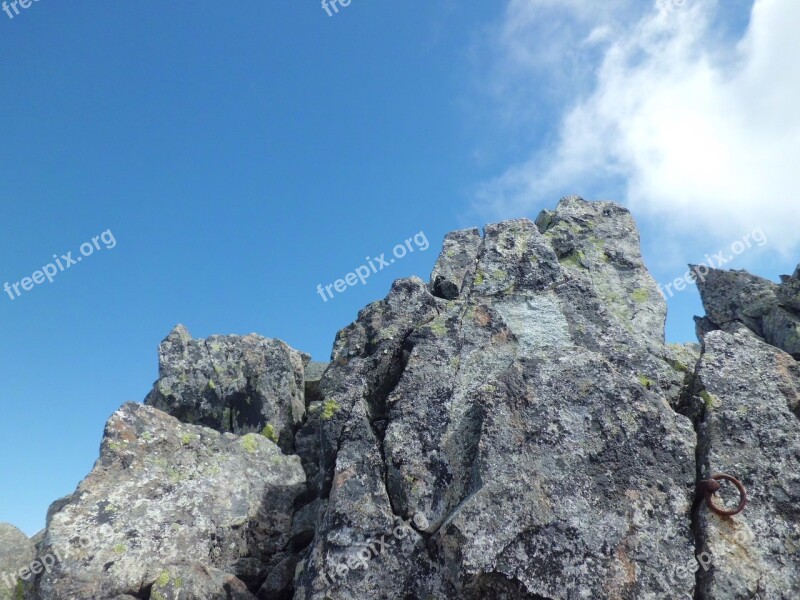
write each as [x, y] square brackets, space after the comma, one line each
[186, 439]
[438, 326]
[573, 259]
[645, 381]
[329, 408]
[211, 385]
[249, 443]
[120, 548]
[479, 278]
[710, 400]
[640, 295]
[269, 433]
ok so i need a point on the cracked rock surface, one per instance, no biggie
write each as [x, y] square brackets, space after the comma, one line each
[516, 428]
[168, 501]
[526, 422]
[750, 428]
[240, 384]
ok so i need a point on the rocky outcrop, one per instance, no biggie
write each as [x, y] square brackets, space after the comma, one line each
[770, 310]
[518, 434]
[514, 429]
[240, 384]
[17, 553]
[169, 502]
[749, 393]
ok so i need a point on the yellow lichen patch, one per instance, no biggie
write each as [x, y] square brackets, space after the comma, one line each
[250, 443]
[329, 408]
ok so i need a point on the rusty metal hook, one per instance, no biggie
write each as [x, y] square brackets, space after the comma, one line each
[709, 487]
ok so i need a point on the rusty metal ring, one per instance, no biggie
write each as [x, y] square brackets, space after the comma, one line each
[710, 486]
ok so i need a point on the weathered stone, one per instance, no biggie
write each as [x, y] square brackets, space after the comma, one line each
[16, 552]
[766, 308]
[782, 329]
[749, 428]
[539, 396]
[239, 384]
[517, 429]
[789, 291]
[599, 242]
[456, 263]
[165, 493]
[198, 581]
[736, 296]
[313, 375]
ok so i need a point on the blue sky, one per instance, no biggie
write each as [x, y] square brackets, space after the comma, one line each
[241, 154]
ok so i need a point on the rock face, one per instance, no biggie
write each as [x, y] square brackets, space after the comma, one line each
[515, 429]
[750, 426]
[17, 552]
[231, 383]
[169, 502]
[522, 427]
[770, 310]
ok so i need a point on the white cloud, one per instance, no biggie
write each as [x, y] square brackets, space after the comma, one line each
[694, 129]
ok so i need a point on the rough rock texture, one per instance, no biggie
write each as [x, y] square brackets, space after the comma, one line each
[750, 427]
[516, 429]
[526, 425]
[770, 310]
[167, 497]
[232, 383]
[456, 263]
[16, 552]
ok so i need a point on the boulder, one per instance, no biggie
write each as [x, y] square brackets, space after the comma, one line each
[237, 384]
[17, 552]
[164, 495]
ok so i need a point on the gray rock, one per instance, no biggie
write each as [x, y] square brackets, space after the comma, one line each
[456, 263]
[749, 428]
[782, 329]
[313, 375]
[789, 291]
[731, 298]
[238, 384]
[599, 242]
[517, 429]
[198, 581]
[37, 540]
[17, 552]
[164, 493]
[519, 442]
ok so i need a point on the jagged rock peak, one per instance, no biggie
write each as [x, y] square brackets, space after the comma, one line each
[733, 298]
